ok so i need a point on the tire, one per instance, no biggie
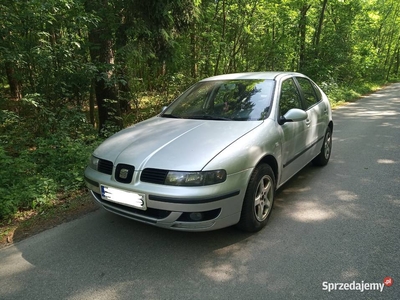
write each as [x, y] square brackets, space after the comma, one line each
[325, 154]
[258, 200]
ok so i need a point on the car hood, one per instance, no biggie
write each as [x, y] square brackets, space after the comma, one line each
[172, 144]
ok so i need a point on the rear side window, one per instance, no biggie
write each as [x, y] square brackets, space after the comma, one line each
[310, 92]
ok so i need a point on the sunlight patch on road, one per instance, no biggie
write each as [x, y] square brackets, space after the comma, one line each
[228, 263]
[382, 113]
[11, 266]
[350, 274]
[219, 273]
[386, 161]
[297, 190]
[346, 195]
[312, 212]
[372, 115]
[387, 124]
[367, 180]
[396, 202]
[113, 291]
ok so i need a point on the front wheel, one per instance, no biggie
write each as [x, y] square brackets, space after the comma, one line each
[323, 157]
[258, 200]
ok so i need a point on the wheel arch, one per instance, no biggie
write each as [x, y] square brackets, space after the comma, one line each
[330, 125]
[272, 162]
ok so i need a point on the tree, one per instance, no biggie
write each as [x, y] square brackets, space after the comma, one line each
[102, 53]
[125, 25]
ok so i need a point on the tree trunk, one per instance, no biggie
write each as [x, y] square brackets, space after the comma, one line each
[317, 36]
[397, 67]
[13, 82]
[92, 99]
[193, 46]
[221, 42]
[102, 54]
[302, 33]
[392, 60]
[102, 40]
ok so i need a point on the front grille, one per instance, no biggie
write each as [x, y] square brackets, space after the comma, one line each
[105, 166]
[124, 173]
[154, 175]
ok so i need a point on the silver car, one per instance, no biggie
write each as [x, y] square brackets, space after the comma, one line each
[217, 154]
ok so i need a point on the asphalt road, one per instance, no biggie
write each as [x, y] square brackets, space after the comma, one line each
[336, 224]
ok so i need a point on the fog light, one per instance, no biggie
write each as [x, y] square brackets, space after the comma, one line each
[196, 216]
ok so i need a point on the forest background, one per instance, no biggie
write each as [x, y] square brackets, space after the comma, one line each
[73, 72]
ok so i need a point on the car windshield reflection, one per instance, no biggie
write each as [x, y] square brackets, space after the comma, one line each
[238, 100]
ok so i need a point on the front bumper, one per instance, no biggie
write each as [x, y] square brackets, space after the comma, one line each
[180, 208]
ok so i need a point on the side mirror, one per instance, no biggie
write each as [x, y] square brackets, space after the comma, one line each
[293, 115]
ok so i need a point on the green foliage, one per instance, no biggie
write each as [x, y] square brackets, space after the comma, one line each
[44, 45]
[347, 93]
[42, 153]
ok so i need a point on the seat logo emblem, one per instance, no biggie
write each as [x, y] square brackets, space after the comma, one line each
[123, 173]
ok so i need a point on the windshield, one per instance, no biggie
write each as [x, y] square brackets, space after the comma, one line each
[241, 100]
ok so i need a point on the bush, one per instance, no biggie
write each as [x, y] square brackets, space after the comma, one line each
[42, 154]
[339, 93]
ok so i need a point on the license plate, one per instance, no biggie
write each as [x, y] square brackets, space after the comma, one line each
[123, 197]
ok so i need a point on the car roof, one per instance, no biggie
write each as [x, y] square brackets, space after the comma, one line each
[250, 75]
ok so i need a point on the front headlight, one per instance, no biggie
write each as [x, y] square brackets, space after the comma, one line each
[195, 178]
[94, 162]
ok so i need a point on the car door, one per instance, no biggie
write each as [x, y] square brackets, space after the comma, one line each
[316, 110]
[293, 133]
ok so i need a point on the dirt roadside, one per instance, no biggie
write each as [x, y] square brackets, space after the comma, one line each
[29, 223]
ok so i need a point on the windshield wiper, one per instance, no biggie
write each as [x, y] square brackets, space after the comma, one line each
[208, 117]
[169, 116]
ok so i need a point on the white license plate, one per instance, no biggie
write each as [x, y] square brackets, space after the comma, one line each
[123, 197]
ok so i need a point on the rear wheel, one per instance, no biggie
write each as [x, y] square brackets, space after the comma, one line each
[258, 200]
[323, 157]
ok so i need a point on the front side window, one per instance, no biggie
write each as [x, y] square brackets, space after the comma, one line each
[239, 100]
[289, 97]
